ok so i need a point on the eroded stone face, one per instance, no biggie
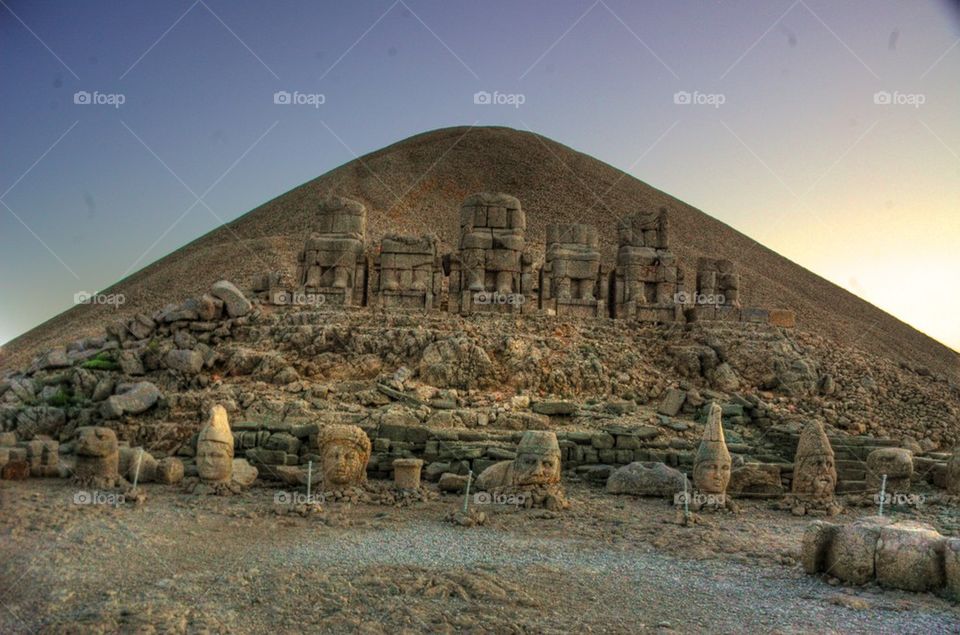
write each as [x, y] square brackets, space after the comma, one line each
[712, 465]
[215, 448]
[97, 457]
[815, 471]
[344, 452]
[536, 469]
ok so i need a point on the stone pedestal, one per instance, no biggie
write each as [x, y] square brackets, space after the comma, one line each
[406, 473]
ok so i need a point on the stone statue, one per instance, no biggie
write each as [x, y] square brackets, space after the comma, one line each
[407, 272]
[534, 475]
[219, 473]
[647, 279]
[344, 452]
[332, 262]
[491, 271]
[98, 458]
[712, 465]
[570, 281]
[215, 449]
[814, 474]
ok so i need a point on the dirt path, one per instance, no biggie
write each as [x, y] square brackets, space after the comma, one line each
[184, 564]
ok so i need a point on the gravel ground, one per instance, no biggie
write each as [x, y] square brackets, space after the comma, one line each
[181, 564]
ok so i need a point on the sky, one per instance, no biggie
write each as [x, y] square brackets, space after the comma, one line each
[826, 130]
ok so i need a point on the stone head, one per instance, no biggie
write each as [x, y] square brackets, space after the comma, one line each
[815, 471]
[215, 447]
[538, 459]
[96, 441]
[344, 452]
[712, 465]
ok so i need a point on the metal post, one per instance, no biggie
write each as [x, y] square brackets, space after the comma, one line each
[136, 473]
[883, 492]
[309, 478]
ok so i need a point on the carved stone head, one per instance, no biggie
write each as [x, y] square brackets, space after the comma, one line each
[712, 465]
[538, 459]
[815, 471]
[215, 448]
[344, 452]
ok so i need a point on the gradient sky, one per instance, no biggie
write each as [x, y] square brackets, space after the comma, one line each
[798, 156]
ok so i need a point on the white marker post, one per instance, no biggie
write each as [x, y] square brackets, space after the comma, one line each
[136, 473]
[466, 498]
[883, 492]
[309, 478]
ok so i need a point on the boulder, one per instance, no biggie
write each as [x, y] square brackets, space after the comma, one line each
[185, 361]
[908, 557]
[128, 465]
[455, 362]
[647, 479]
[133, 399]
[756, 478]
[243, 473]
[671, 401]
[895, 463]
[236, 304]
[851, 555]
[454, 483]
[169, 471]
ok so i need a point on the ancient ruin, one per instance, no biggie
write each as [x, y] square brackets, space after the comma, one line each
[490, 271]
[647, 278]
[344, 453]
[904, 554]
[215, 453]
[814, 474]
[407, 273]
[97, 463]
[712, 465]
[332, 262]
[572, 281]
[533, 475]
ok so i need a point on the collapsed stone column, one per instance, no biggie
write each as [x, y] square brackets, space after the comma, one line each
[490, 272]
[571, 281]
[332, 262]
[647, 279]
[406, 273]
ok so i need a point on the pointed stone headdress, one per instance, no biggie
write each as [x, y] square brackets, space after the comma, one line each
[217, 428]
[539, 442]
[813, 441]
[713, 446]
